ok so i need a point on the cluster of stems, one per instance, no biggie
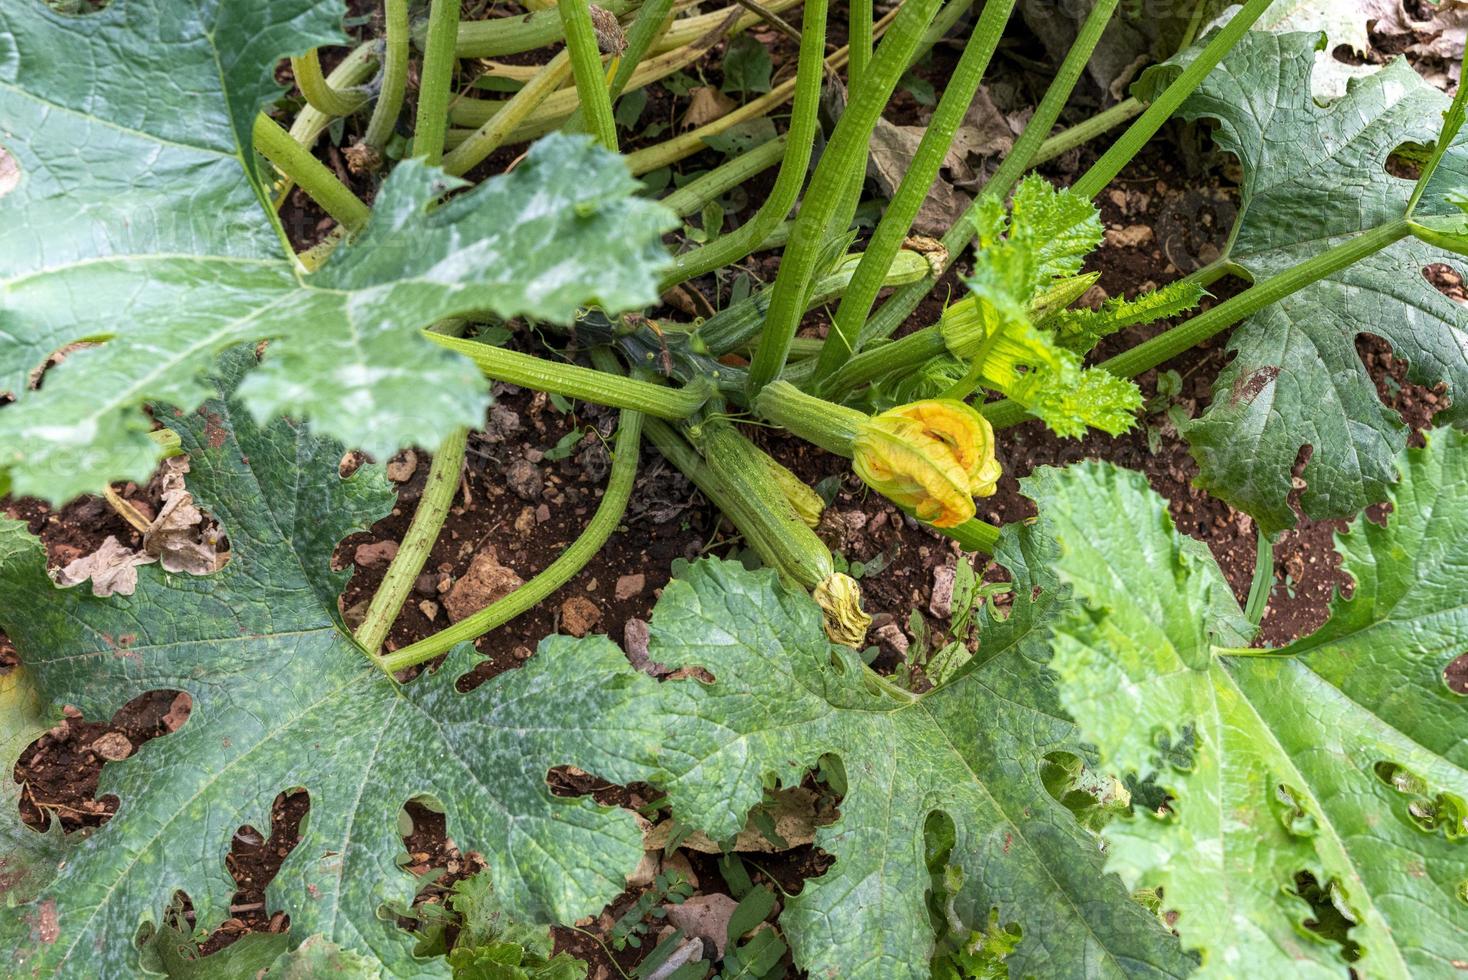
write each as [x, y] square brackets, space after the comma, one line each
[791, 382]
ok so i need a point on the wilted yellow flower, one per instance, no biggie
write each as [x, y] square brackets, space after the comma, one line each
[839, 597]
[931, 457]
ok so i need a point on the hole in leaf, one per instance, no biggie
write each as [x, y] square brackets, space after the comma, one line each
[1331, 919]
[1292, 813]
[1407, 160]
[1442, 812]
[77, 8]
[59, 771]
[1093, 797]
[1455, 675]
[253, 861]
[9, 172]
[1446, 280]
[1463, 892]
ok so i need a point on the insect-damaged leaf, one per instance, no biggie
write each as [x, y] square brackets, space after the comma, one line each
[1314, 177]
[283, 698]
[140, 219]
[784, 696]
[1341, 757]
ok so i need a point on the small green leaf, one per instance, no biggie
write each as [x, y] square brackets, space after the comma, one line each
[746, 67]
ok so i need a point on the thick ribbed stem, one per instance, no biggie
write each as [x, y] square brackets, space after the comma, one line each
[573, 381]
[958, 94]
[313, 176]
[799, 141]
[693, 195]
[1130, 143]
[433, 508]
[605, 521]
[900, 305]
[828, 186]
[394, 76]
[319, 94]
[437, 80]
[493, 134]
[591, 84]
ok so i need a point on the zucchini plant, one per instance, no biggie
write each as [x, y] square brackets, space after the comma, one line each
[153, 302]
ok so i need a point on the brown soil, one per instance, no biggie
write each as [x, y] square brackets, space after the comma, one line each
[528, 506]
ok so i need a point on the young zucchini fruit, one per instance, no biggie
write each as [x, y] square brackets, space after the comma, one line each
[745, 484]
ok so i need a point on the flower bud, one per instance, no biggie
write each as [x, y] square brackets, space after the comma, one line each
[930, 457]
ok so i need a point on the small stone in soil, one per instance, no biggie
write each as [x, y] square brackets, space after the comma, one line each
[891, 637]
[941, 604]
[579, 615]
[705, 917]
[113, 746]
[400, 468]
[630, 585]
[485, 582]
[376, 553]
[523, 477]
[429, 608]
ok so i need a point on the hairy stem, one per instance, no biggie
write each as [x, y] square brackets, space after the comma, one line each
[318, 92]
[586, 66]
[433, 508]
[394, 76]
[650, 23]
[916, 182]
[573, 381]
[1184, 336]
[701, 190]
[608, 515]
[515, 35]
[493, 134]
[1130, 143]
[828, 187]
[799, 141]
[437, 80]
[298, 164]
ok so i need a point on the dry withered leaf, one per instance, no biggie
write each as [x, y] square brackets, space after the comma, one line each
[705, 104]
[112, 568]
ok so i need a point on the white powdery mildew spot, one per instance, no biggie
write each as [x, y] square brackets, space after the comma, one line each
[9, 173]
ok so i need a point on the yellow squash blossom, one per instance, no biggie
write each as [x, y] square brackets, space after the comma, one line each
[931, 457]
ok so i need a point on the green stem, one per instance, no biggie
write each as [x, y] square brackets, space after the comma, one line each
[1104, 170]
[692, 196]
[356, 69]
[1083, 132]
[799, 140]
[573, 381]
[591, 85]
[916, 183]
[313, 176]
[900, 305]
[846, 149]
[1276, 654]
[319, 94]
[433, 508]
[493, 134]
[1170, 343]
[605, 521]
[434, 90]
[394, 76]
[859, 39]
[650, 24]
[514, 35]
[821, 423]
